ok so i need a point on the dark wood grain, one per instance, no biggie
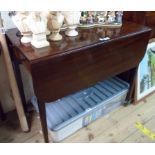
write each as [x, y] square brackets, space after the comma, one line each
[78, 62]
[142, 17]
[87, 38]
[150, 21]
[134, 16]
[72, 72]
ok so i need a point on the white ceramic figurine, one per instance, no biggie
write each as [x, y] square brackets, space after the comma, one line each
[38, 25]
[55, 21]
[72, 19]
[20, 20]
[111, 16]
[45, 15]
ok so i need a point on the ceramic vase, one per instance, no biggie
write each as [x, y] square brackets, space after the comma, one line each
[20, 21]
[72, 19]
[38, 26]
[45, 14]
[55, 21]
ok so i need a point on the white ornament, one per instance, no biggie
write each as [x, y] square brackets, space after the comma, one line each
[72, 19]
[55, 22]
[20, 20]
[38, 26]
[45, 15]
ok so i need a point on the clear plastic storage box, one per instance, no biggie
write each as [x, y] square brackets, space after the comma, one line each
[67, 115]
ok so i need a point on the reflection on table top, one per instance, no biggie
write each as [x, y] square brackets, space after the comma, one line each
[87, 38]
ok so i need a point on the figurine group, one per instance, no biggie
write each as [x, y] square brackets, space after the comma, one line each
[104, 17]
[35, 26]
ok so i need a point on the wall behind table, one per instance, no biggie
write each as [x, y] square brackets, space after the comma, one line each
[5, 93]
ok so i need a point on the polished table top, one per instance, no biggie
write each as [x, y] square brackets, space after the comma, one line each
[87, 38]
[78, 62]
